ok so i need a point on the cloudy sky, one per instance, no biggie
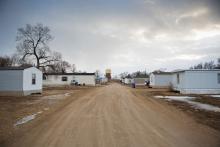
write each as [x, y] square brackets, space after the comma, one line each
[124, 35]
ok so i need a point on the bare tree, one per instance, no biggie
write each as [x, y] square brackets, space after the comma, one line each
[6, 61]
[209, 65]
[124, 74]
[13, 60]
[59, 67]
[32, 41]
[97, 74]
[140, 74]
[198, 66]
[218, 64]
[64, 65]
[73, 68]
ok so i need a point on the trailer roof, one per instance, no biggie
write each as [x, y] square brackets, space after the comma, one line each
[76, 73]
[15, 68]
[162, 73]
[195, 70]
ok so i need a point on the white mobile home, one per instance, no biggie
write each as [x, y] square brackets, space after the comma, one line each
[159, 79]
[128, 81]
[140, 81]
[104, 80]
[123, 80]
[196, 81]
[68, 78]
[20, 80]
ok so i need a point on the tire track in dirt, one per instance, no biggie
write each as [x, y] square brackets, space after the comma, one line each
[112, 116]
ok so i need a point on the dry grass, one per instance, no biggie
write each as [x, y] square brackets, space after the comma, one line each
[13, 108]
[210, 118]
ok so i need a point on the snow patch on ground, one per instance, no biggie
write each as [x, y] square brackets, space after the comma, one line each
[56, 97]
[39, 112]
[67, 94]
[216, 96]
[187, 99]
[46, 109]
[178, 98]
[25, 119]
[51, 98]
[29, 117]
[207, 107]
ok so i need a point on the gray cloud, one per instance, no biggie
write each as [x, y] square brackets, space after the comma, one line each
[125, 35]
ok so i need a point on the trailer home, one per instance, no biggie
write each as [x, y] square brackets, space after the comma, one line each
[128, 81]
[139, 81]
[20, 81]
[52, 79]
[160, 79]
[196, 81]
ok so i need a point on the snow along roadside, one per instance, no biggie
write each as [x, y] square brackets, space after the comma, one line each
[187, 99]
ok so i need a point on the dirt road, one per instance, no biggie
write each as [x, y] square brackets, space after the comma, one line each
[113, 116]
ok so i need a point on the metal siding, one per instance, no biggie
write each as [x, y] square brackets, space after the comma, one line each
[86, 79]
[163, 80]
[57, 79]
[197, 82]
[152, 79]
[202, 80]
[27, 79]
[128, 81]
[175, 85]
[11, 80]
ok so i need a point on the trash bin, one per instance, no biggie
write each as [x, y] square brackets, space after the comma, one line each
[133, 85]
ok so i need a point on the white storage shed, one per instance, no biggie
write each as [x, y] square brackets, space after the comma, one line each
[196, 81]
[20, 81]
[54, 79]
[159, 79]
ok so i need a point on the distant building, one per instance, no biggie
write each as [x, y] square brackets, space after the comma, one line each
[69, 78]
[196, 81]
[104, 80]
[108, 74]
[140, 81]
[128, 81]
[20, 81]
[160, 79]
[123, 80]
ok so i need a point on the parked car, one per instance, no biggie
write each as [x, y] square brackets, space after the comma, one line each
[74, 82]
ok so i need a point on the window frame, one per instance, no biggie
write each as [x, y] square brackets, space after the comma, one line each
[178, 78]
[64, 78]
[44, 77]
[33, 78]
[218, 78]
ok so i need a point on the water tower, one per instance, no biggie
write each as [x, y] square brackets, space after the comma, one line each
[108, 74]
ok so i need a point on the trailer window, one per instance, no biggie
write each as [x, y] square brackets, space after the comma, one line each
[33, 79]
[178, 78]
[44, 77]
[218, 78]
[64, 78]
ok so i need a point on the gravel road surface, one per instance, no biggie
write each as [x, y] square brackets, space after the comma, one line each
[113, 116]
